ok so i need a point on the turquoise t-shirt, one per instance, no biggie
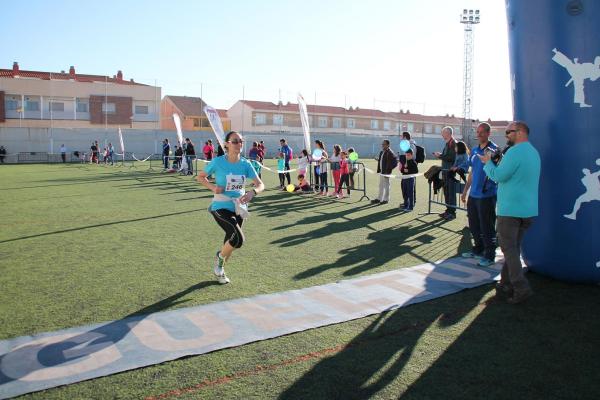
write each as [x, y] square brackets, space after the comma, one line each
[281, 164]
[232, 177]
[518, 177]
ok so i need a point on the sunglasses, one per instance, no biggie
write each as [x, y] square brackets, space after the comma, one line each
[235, 141]
[510, 131]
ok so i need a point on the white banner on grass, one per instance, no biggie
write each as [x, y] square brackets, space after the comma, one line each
[121, 141]
[215, 123]
[177, 122]
[305, 123]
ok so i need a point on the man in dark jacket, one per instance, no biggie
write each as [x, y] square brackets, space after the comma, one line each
[190, 155]
[385, 165]
[448, 155]
[165, 153]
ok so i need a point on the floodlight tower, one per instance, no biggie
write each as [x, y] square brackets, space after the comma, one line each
[468, 19]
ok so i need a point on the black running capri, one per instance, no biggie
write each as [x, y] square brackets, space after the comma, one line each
[231, 223]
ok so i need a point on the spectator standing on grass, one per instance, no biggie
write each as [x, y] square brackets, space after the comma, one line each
[481, 203]
[208, 150]
[461, 163]
[254, 156]
[323, 172]
[448, 155]
[287, 156]
[353, 168]
[166, 151]
[111, 153]
[518, 176]
[178, 157]
[303, 162]
[385, 166]
[317, 165]
[93, 153]
[190, 155]
[408, 184]
[344, 176]
[63, 153]
[2, 154]
[334, 163]
[229, 204]
[262, 151]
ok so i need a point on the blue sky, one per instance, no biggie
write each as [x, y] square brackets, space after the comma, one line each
[383, 54]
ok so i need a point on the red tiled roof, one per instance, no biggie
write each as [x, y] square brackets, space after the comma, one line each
[8, 73]
[189, 106]
[314, 109]
[436, 119]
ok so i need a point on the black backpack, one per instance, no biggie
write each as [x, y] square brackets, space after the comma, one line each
[420, 156]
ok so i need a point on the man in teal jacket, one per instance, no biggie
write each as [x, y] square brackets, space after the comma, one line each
[518, 176]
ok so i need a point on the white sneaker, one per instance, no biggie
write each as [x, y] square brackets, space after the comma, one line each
[223, 279]
[219, 271]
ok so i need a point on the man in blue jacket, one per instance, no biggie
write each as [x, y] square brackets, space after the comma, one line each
[481, 203]
[518, 176]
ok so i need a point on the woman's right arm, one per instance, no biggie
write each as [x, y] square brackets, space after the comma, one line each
[202, 179]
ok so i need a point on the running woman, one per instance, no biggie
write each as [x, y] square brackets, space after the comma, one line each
[230, 198]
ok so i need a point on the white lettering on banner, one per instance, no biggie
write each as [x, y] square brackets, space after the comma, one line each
[22, 362]
[348, 307]
[274, 313]
[394, 282]
[472, 275]
[155, 337]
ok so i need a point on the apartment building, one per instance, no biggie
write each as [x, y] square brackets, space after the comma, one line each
[191, 112]
[268, 117]
[40, 99]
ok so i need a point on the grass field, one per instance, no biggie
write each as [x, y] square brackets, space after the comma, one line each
[81, 244]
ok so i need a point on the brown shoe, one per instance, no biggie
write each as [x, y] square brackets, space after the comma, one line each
[517, 298]
[503, 290]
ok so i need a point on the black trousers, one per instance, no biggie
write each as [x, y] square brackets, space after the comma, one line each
[482, 224]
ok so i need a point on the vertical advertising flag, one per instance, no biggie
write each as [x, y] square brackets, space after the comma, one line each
[304, 120]
[177, 122]
[215, 123]
[121, 141]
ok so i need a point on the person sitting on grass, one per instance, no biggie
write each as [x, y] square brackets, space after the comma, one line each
[303, 186]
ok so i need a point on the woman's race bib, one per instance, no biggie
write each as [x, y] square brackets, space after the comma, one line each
[235, 183]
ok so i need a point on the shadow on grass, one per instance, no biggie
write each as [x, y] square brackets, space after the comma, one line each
[100, 225]
[546, 348]
[386, 245]
[377, 356]
[92, 341]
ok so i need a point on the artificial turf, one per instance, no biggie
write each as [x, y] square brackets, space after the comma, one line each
[82, 244]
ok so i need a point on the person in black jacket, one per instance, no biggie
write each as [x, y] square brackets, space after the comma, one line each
[448, 156]
[386, 162]
[408, 184]
[190, 155]
[165, 153]
[178, 157]
[2, 154]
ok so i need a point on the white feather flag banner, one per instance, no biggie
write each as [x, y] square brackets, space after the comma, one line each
[177, 122]
[304, 120]
[215, 123]
[121, 141]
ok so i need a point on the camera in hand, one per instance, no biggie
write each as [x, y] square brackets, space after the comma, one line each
[497, 154]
